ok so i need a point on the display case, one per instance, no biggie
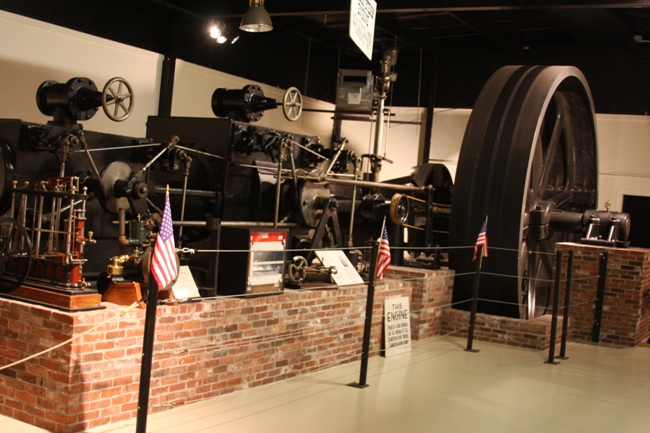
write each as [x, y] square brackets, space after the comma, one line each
[258, 268]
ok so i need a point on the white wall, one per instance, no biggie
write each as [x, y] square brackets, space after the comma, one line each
[401, 143]
[447, 136]
[194, 85]
[32, 52]
[624, 160]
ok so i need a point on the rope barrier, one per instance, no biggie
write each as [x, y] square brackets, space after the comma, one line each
[43, 352]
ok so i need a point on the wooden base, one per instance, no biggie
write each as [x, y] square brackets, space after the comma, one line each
[124, 293]
[55, 299]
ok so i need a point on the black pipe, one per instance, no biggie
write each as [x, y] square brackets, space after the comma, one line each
[429, 220]
[567, 302]
[472, 315]
[428, 126]
[600, 297]
[166, 87]
[147, 355]
[556, 306]
[368, 322]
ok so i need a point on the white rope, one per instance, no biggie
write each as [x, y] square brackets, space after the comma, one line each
[122, 313]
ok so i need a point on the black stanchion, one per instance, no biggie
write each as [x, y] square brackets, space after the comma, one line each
[367, 326]
[472, 315]
[567, 301]
[147, 356]
[600, 297]
[429, 220]
[556, 306]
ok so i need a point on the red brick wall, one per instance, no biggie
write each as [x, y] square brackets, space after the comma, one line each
[626, 310]
[429, 297]
[201, 350]
[532, 334]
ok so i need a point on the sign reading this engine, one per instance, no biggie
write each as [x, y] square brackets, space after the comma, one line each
[397, 326]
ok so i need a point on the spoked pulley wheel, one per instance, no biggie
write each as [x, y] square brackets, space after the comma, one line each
[529, 149]
[15, 254]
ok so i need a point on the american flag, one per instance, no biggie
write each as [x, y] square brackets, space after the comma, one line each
[482, 240]
[383, 258]
[163, 265]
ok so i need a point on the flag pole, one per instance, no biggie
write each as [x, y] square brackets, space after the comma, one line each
[149, 333]
[147, 354]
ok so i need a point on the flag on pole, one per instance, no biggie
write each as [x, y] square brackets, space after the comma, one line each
[482, 240]
[383, 257]
[163, 264]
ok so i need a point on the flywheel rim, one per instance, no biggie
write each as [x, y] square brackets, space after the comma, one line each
[510, 163]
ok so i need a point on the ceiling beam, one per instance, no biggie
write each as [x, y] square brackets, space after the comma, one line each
[593, 27]
[333, 7]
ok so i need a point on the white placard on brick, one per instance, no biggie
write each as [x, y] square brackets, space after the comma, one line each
[185, 287]
[362, 24]
[397, 326]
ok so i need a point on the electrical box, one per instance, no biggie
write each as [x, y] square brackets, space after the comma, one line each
[354, 91]
[258, 268]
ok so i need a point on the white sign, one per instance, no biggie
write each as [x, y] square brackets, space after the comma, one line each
[343, 273]
[362, 24]
[397, 326]
[185, 287]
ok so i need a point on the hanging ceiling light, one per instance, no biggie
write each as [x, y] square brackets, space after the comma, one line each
[256, 19]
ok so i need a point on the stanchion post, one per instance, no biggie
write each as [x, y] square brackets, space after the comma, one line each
[600, 297]
[567, 302]
[556, 306]
[472, 314]
[147, 355]
[429, 220]
[367, 326]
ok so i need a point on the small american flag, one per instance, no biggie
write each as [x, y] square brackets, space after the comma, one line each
[482, 240]
[383, 257]
[163, 265]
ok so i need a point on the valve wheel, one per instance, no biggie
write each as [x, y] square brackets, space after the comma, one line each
[292, 104]
[298, 270]
[117, 99]
[15, 254]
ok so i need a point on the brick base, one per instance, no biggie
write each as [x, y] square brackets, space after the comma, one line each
[626, 308]
[201, 350]
[532, 334]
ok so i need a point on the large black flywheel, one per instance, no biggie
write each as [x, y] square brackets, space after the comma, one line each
[530, 149]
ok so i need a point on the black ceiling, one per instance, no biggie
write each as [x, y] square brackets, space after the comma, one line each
[447, 49]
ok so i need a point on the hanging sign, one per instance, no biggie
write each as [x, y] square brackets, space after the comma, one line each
[362, 24]
[397, 326]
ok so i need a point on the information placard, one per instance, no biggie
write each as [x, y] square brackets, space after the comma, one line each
[362, 24]
[344, 273]
[397, 326]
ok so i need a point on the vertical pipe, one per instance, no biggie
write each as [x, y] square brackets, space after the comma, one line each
[166, 86]
[429, 220]
[472, 315]
[367, 326]
[379, 135]
[567, 302]
[354, 203]
[147, 355]
[600, 297]
[556, 306]
[278, 184]
[428, 125]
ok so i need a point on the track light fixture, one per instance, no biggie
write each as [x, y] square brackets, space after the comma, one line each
[256, 19]
[218, 32]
